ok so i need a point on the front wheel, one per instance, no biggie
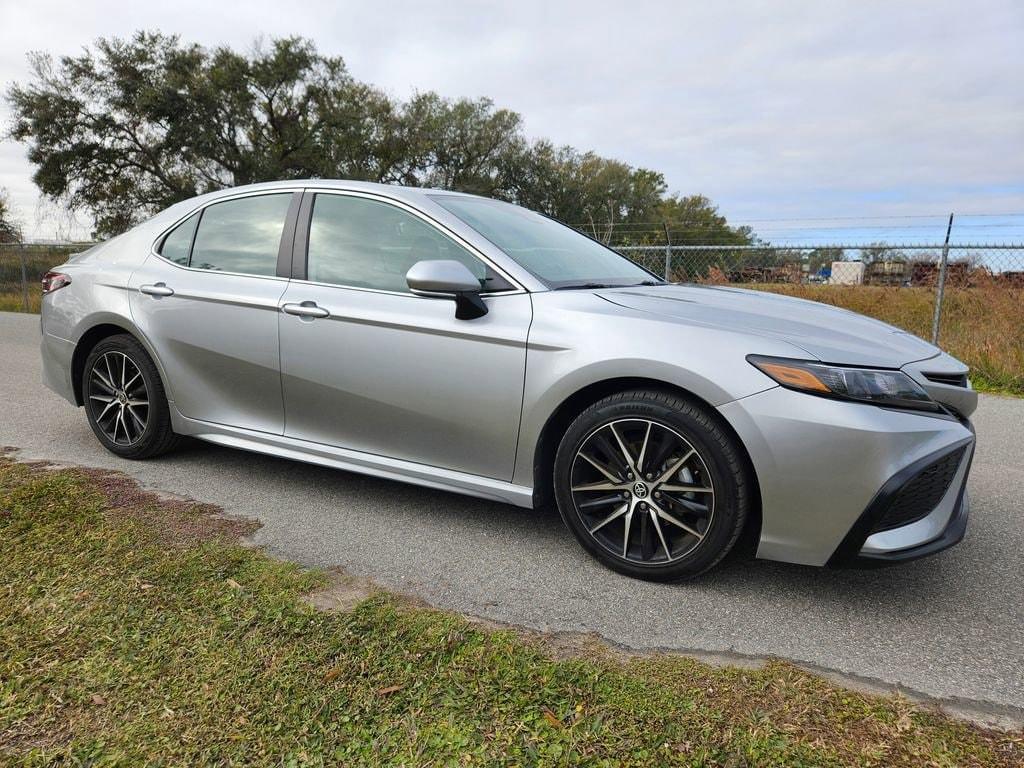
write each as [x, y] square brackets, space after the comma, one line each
[125, 401]
[652, 485]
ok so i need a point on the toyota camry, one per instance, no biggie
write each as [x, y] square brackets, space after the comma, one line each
[467, 344]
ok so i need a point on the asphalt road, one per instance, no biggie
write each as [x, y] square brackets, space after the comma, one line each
[950, 626]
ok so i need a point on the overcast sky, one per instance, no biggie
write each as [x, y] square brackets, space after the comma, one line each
[801, 109]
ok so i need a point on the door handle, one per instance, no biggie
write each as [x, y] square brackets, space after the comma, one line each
[157, 289]
[305, 309]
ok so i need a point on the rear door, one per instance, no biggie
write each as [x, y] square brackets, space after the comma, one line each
[208, 303]
[384, 371]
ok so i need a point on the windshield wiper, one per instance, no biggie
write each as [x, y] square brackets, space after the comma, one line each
[575, 286]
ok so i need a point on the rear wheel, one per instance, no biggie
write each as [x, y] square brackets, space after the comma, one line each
[651, 485]
[125, 401]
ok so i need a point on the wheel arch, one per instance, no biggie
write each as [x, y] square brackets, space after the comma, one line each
[573, 405]
[99, 329]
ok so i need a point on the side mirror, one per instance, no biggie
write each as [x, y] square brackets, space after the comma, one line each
[448, 279]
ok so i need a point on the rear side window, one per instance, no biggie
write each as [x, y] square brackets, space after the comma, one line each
[364, 243]
[241, 235]
[178, 243]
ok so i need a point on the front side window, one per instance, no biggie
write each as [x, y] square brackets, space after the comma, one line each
[241, 235]
[362, 243]
[556, 254]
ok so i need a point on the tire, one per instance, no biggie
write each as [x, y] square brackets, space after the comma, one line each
[673, 534]
[139, 432]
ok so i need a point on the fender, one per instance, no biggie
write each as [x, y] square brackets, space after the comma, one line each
[97, 319]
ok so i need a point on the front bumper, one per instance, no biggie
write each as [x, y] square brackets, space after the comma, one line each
[828, 470]
[872, 542]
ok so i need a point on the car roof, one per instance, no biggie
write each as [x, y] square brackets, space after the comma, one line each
[391, 190]
[418, 197]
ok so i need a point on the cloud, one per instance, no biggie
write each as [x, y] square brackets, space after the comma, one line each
[797, 109]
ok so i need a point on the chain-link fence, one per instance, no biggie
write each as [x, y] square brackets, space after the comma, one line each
[970, 298]
[22, 266]
[897, 265]
[934, 267]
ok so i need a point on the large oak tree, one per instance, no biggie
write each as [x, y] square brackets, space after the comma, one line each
[128, 127]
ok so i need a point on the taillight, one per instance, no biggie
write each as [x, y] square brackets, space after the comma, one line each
[54, 280]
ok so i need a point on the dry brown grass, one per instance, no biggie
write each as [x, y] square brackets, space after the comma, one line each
[982, 325]
[14, 301]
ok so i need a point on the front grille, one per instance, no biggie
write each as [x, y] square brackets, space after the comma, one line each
[950, 379]
[920, 495]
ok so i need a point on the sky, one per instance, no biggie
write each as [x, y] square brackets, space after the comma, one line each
[811, 121]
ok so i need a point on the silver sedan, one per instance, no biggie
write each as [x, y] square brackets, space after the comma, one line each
[467, 344]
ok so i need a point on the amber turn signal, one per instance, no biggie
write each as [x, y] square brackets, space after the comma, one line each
[798, 378]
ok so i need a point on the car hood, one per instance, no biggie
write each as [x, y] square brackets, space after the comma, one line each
[828, 333]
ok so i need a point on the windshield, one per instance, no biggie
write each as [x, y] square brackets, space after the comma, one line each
[556, 254]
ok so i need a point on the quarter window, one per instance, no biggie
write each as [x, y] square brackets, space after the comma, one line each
[178, 242]
[241, 235]
[364, 243]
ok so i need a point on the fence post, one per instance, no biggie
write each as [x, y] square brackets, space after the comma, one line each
[24, 277]
[668, 254]
[941, 290]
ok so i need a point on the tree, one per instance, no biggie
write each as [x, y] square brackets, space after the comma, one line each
[582, 189]
[695, 220]
[140, 124]
[10, 232]
[131, 126]
[454, 144]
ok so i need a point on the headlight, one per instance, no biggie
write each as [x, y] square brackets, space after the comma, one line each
[867, 385]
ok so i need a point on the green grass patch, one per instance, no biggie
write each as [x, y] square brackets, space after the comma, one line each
[133, 631]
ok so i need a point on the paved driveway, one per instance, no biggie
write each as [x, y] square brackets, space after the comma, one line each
[951, 626]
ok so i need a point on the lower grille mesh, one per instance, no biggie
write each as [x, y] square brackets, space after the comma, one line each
[921, 494]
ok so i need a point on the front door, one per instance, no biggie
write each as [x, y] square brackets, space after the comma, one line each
[385, 372]
[208, 304]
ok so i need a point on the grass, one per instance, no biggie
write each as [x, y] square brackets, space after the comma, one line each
[982, 325]
[38, 260]
[14, 301]
[137, 631]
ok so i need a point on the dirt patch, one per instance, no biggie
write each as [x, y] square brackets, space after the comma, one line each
[30, 733]
[174, 521]
[342, 593]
